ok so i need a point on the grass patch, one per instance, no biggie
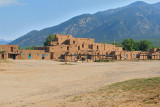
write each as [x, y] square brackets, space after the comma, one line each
[76, 99]
[137, 91]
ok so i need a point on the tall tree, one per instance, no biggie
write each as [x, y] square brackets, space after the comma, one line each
[144, 45]
[129, 44]
[50, 38]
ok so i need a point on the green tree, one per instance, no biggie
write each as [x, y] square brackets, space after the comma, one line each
[50, 38]
[117, 43]
[30, 48]
[130, 45]
[144, 45]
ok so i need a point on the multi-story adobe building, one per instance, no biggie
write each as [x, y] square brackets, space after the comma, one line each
[9, 51]
[65, 47]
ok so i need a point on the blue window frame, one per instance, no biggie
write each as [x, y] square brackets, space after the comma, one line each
[46, 54]
[126, 56]
[23, 54]
[37, 54]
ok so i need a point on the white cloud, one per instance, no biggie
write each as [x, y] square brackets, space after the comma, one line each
[8, 2]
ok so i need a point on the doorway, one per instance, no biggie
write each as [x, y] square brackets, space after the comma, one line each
[43, 56]
[29, 56]
[2, 56]
[14, 57]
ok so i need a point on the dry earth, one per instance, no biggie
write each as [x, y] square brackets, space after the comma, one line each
[49, 83]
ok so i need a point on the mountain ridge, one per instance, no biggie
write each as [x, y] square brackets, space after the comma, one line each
[4, 42]
[138, 20]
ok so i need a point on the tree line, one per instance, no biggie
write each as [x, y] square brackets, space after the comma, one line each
[132, 45]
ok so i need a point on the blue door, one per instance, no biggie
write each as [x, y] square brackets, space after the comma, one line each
[126, 56]
[74, 55]
[29, 56]
[14, 57]
[43, 56]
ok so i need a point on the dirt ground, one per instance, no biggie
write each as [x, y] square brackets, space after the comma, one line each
[48, 83]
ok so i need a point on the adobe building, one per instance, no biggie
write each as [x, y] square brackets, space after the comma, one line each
[9, 51]
[65, 47]
[12, 52]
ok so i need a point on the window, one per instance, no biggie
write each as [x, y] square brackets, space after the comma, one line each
[97, 47]
[46, 54]
[78, 47]
[92, 46]
[37, 54]
[11, 49]
[82, 45]
[23, 54]
[67, 47]
[73, 42]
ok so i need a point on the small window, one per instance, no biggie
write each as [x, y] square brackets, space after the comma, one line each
[82, 45]
[37, 54]
[78, 47]
[23, 54]
[97, 47]
[73, 42]
[46, 54]
[92, 46]
[67, 47]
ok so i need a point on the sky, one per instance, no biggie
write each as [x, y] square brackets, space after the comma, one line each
[18, 17]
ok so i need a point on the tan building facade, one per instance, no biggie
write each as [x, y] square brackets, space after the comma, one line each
[12, 52]
[65, 47]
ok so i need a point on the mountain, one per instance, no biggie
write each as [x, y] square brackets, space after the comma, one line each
[138, 20]
[4, 42]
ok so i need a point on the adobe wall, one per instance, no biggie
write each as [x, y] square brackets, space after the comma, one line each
[9, 48]
[61, 39]
[3, 56]
[144, 55]
[35, 54]
[155, 55]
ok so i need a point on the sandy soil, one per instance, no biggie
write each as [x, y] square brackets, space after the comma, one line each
[47, 83]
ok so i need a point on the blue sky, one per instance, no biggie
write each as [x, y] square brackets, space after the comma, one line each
[18, 17]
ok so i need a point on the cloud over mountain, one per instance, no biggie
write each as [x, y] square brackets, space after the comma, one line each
[8, 2]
